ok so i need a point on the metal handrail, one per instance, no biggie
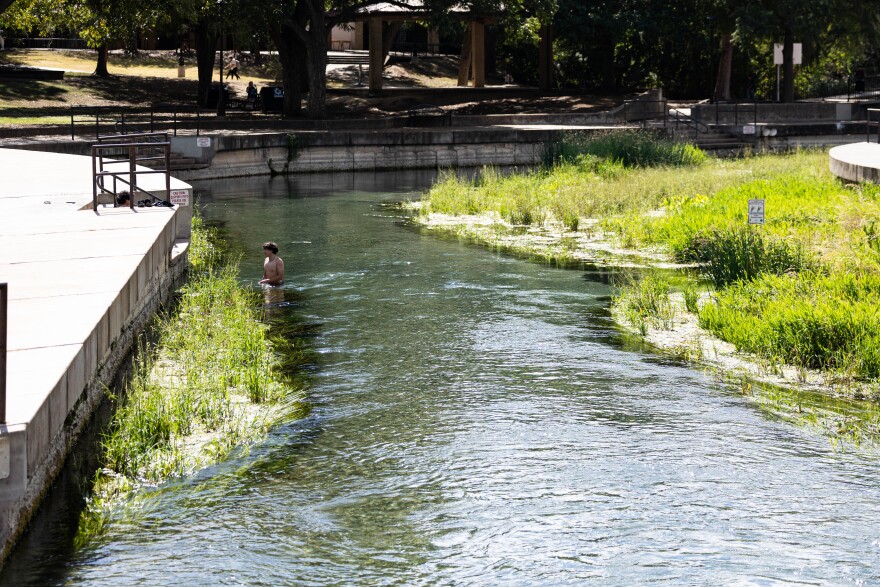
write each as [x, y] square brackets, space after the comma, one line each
[736, 110]
[133, 149]
[679, 118]
[869, 122]
[116, 117]
[4, 316]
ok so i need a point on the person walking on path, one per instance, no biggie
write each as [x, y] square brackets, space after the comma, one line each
[232, 68]
[273, 266]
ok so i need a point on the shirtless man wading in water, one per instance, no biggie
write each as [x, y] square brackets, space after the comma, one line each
[273, 266]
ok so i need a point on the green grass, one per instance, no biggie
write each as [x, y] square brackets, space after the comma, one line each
[214, 381]
[800, 289]
[629, 148]
[829, 322]
[645, 301]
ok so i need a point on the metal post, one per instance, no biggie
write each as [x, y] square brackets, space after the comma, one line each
[97, 125]
[94, 183]
[72, 137]
[167, 172]
[4, 314]
[174, 122]
[132, 178]
[151, 118]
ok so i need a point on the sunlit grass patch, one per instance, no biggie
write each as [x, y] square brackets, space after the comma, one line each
[828, 322]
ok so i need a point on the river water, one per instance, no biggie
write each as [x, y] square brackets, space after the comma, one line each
[477, 420]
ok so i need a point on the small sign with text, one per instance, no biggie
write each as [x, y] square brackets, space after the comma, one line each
[756, 211]
[180, 197]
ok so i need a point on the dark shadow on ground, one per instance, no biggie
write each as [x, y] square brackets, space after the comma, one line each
[16, 89]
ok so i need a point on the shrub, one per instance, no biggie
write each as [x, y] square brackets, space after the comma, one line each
[629, 148]
[742, 254]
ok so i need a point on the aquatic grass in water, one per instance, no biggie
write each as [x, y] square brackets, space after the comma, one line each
[816, 226]
[645, 301]
[212, 382]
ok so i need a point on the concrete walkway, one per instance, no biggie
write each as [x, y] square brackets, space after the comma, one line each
[80, 283]
[856, 161]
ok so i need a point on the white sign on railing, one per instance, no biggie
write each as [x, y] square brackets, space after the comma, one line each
[756, 211]
[180, 197]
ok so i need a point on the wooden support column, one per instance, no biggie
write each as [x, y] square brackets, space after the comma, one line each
[376, 60]
[545, 58]
[478, 52]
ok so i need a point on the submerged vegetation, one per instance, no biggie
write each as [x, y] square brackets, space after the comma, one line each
[212, 382]
[801, 290]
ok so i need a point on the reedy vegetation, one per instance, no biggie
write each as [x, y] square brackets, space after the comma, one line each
[213, 381]
[801, 289]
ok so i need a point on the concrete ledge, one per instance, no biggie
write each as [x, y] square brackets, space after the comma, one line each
[82, 283]
[856, 162]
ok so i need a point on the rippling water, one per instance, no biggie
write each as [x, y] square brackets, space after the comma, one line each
[477, 421]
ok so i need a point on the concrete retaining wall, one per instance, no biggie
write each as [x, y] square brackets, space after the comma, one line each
[305, 152]
[38, 449]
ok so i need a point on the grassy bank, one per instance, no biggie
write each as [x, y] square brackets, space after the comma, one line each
[210, 384]
[801, 290]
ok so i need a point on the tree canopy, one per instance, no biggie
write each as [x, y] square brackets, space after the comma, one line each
[691, 48]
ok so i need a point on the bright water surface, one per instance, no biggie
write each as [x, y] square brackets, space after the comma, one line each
[477, 421]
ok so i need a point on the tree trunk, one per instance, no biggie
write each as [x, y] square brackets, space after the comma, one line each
[725, 64]
[464, 62]
[317, 69]
[389, 33]
[206, 45]
[788, 66]
[291, 54]
[101, 66]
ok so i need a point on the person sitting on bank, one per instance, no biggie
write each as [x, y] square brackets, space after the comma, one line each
[273, 266]
[123, 198]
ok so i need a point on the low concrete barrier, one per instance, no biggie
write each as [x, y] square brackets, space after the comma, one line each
[856, 162]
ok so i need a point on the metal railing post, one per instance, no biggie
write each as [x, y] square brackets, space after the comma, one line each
[97, 124]
[4, 315]
[132, 176]
[94, 182]
[72, 137]
[167, 171]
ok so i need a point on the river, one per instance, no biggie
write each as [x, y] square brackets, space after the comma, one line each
[477, 420]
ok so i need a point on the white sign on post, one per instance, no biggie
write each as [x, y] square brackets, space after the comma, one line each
[756, 211]
[797, 53]
[203, 141]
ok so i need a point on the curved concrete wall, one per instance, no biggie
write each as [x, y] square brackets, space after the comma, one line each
[856, 162]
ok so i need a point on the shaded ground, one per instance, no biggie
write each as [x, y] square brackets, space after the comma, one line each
[151, 78]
